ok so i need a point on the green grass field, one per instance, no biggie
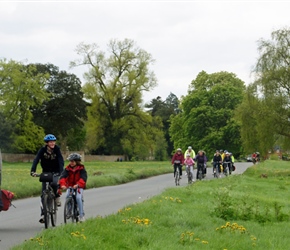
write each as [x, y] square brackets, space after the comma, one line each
[249, 211]
[16, 176]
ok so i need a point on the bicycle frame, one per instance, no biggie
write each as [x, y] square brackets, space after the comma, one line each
[71, 210]
[48, 204]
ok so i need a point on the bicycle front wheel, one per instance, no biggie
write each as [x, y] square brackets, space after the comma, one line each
[177, 177]
[53, 211]
[46, 214]
[69, 208]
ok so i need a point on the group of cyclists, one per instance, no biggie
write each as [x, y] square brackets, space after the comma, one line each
[222, 161]
[73, 175]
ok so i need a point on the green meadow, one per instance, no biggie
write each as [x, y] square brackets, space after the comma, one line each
[248, 211]
[16, 176]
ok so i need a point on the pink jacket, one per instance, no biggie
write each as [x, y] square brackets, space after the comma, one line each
[189, 161]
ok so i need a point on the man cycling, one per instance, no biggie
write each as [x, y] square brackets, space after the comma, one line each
[51, 161]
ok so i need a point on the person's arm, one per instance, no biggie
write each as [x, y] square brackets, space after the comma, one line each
[193, 154]
[60, 160]
[83, 179]
[36, 161]
[62, 178]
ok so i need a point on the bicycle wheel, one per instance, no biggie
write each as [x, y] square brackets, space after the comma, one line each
[189, 177]
[46, 214]
[177, 177]
[68, 214]
[53, 211]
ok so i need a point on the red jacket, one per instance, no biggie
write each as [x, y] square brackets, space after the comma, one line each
[72, 176]
[178, 157]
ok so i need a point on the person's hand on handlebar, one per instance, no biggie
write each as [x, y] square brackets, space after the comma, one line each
[63, 187]
[33, 174]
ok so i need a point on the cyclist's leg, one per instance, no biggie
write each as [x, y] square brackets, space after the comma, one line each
[180, 169]
[174, 171]
[79, 197]
[54, 185]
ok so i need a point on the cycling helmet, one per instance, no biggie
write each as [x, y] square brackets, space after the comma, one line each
[74, 157]
[49, 137]
[179, 149]
[221, 151]
[187, 154]
[189, 147]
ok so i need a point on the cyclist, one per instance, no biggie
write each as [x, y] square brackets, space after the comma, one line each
[227, 162]
[75, 175]
[201, 159]
[51, 161]
[233, 160]
[217, 160]
[189, 151]
[189, 163]
[177, 161]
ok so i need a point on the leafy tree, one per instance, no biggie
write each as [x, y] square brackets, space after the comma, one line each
[164, 109]
[114, 86]
[5, 133]
[21, 88]
[65, 110]
[207, 119]
[268, 97]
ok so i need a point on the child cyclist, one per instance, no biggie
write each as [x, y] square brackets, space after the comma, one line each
[75, 175]
[189, 163]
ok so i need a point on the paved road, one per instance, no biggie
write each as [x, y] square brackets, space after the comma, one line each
[21, 223]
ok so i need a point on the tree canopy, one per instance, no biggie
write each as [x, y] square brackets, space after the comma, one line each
[267, 99]
[21, 88]
[114, 86]
[206, 121]
[65, 110]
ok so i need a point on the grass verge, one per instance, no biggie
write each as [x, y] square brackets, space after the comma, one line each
[249, 211]
[16, 176]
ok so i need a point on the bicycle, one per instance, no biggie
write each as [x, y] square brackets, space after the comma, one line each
[216, 169]
[177, 174]
[189, 174]
[48, 204]
[227, 166]
[71, 209]
[200, 170]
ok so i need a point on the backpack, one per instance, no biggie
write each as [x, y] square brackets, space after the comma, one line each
[7, 197]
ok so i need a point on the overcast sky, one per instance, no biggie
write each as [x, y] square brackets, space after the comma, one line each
[184, 37]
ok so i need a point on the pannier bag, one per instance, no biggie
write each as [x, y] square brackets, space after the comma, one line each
[46, 177]
[7, 197]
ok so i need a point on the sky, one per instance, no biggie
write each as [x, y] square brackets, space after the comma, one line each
[183, 37]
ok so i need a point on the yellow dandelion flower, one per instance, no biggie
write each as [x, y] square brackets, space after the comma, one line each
[204, 242]
[197, 239]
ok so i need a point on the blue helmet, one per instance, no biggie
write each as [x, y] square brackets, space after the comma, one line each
[49, 137]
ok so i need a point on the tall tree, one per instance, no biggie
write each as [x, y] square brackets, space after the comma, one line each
[268, 98]
[65, 110]
[114, 86]
[21, 88]
[165, 109]
[207, 119]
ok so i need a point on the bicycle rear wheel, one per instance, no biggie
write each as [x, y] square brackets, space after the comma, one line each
[53, 211]
[69, 208]
[46, 214]
[189, 177]
[177, 177]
